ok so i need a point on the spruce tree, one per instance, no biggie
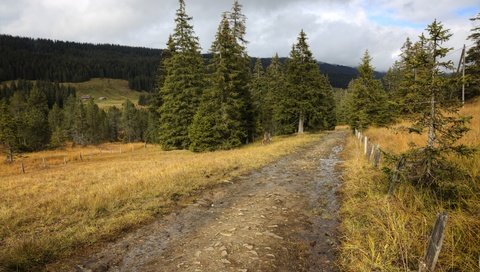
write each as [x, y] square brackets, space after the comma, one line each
[429, 166]
[310, 98]
[69, 109]
[55, 122]
[409, 72]
[283, 116]
[367, 101]
[222, 121]
[473, 61]
[18, 104]
[129, 122]
[238, 24]
[238, 27]
[79, 123]
[94, 122]
[113, 124]
[36, 121]
[183, 84]
[8, 131]
[259, 91]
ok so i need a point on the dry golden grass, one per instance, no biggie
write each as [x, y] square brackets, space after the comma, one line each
[382, 233]
[39, 161]
[47, 214]
[396, 141]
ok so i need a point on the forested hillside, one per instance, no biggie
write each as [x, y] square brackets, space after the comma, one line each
[42, 59]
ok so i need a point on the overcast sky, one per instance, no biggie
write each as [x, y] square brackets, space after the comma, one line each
[339, 31]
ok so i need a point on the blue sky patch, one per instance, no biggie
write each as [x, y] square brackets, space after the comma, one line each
[386, 20]
[467, 11]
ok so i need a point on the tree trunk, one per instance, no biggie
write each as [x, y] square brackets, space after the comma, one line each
[431, 128]
[301, 121]
[9, 155]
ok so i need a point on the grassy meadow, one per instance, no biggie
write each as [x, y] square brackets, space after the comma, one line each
[382, 233]
[115, 90]
[52, 211]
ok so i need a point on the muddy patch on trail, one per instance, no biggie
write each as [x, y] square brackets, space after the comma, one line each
[282, 217]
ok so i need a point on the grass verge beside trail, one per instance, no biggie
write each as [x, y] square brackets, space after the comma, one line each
[47, 215]
[382, 233]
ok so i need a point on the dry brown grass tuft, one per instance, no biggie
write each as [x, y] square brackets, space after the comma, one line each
[47, 214]
[382, 233]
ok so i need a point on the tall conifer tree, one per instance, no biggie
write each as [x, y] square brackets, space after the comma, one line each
[36, 120]
[261, 99]
[183, 84]
[429, 166]
[8, 131]
[368, 103]
[473, 61]
[283, 119]
[223, 120]
[310, 98]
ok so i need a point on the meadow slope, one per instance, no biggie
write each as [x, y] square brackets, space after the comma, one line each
[51, 212]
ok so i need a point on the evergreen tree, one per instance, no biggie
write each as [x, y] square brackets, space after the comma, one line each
[259, 89]
[155, 102]
[69, 117]
[94, 123]
[310, 99]
[18, 104]
[113, 124]
[409, 72]
[428, 166]
[238, 24]
[224, 118]
[36, 121]
[473, 61]
[283, 117]
[367, 101]
[55, 122]
[79, 123]
[183, 84]
[129, 122]
[8, 131]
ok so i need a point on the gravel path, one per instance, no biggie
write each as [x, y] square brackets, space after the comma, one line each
[282, 217]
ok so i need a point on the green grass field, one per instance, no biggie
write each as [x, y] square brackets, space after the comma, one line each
[115, 90]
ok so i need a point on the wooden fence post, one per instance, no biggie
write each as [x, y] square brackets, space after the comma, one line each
[22, 167]
[434, 244]
[396, 175]
[366, 145]
[44, 163]
[377, 156]
[372, 152]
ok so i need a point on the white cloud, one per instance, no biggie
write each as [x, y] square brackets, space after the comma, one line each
[339, 31]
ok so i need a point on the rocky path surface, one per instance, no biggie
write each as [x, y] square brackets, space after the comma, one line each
[282, 217]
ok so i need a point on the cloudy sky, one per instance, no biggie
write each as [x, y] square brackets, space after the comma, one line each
[339, 31]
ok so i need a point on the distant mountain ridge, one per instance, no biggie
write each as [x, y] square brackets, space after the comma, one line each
[61, 61]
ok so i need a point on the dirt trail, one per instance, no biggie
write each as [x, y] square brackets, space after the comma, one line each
[282, 217]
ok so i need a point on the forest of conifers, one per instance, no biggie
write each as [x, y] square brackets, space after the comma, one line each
[59, 61]
[218, 100]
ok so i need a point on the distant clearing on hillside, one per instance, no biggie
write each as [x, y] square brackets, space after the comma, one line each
[114, 90]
